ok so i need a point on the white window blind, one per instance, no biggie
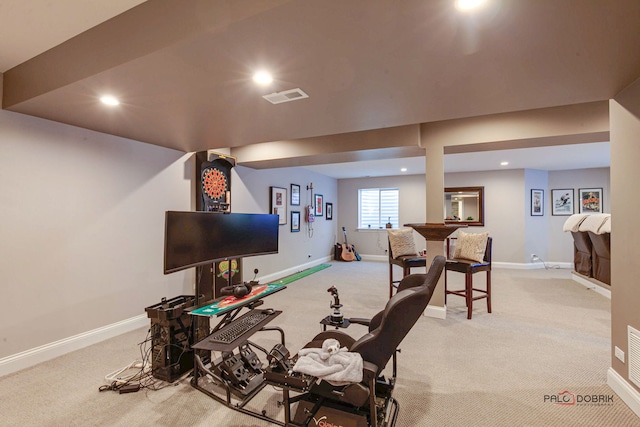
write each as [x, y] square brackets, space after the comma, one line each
[377, 206]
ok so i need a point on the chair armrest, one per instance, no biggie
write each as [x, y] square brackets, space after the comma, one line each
[369, 371]
[360, 321]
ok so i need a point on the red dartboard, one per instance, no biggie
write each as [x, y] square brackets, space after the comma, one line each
[214, 183]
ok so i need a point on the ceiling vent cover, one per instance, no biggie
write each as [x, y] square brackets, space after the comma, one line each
[285, 96]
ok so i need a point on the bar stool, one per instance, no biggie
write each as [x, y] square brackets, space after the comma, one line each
[407, 262]
[469, 268]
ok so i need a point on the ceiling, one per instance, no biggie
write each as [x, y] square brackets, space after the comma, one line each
[183, 69]
[559, 157]
[50, 23]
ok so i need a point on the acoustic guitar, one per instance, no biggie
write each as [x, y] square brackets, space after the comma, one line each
[348, 252]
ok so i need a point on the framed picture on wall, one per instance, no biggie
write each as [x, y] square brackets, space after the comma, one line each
[319, 204]
[537, 202]
[295, 221]
[295, 195]
[279, 204]
[590, 200]
[562, 201]
[328, 209]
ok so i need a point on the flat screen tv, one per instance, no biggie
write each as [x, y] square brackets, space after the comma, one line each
[199, 238]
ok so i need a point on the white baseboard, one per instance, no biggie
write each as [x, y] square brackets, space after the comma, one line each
[435, 311]
[375, 258]
[289, 271]
[40, 354]
[591, 285]
[28, 358]
[516, 265]
[531, 265]
[622, 388]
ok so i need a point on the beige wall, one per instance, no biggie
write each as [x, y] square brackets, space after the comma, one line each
[516, 233]
[82, 226]
[251, 195]
[625, 252]
[503, 209]
[575, 179]
[411, 207]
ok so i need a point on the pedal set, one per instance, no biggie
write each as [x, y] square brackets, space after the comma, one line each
[250, 358]
[240, 368]
[233, 369]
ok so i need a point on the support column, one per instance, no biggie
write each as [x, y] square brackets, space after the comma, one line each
[434, 177]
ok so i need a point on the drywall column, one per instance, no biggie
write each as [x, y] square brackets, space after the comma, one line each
[625, 292]
[435, 211]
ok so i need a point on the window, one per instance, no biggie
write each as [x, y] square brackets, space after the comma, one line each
[377, 207]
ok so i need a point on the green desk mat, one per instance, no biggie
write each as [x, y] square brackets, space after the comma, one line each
[230, 302]
[299, 275]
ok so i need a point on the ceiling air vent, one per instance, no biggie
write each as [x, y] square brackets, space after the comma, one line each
[285, 96]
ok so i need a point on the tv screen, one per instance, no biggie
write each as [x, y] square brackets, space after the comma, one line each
[198, 238]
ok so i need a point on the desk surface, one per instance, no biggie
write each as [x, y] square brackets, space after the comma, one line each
[229, 303]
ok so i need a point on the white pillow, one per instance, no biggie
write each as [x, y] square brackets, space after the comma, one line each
[594, 223]
[401, 242]
[471, 246]
[573, 222]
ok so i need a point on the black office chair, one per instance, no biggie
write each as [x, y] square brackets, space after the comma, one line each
[469, 268]
[386, 330]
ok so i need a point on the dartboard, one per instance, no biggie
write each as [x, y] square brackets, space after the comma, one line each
[214, 183]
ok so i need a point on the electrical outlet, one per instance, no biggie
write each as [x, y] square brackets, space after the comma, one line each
[534, 258]
[619, 354]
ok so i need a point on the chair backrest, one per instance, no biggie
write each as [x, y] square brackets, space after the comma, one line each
[487, 252]
[398, 317]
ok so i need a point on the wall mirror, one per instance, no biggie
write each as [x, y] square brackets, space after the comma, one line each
[464, 205]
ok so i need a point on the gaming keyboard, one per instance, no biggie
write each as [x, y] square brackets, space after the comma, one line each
[239, 330]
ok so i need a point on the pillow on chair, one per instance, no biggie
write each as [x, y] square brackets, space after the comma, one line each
[471, 246]
[401, 242]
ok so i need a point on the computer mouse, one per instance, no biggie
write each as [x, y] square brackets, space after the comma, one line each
[268, 311]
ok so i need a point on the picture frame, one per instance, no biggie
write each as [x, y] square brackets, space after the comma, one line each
[328, 209]
[295, 195]
[537, 202]
[590, 200]
[295, 221]
[562, 201]
[278, 205]
[319, 205]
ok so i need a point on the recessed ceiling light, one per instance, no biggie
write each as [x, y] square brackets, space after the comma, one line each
[109, 100]
[504, 163]
[465, 5]
[403, 170]
[263, 78]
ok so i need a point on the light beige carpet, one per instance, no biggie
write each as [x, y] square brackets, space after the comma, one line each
[547, 334]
